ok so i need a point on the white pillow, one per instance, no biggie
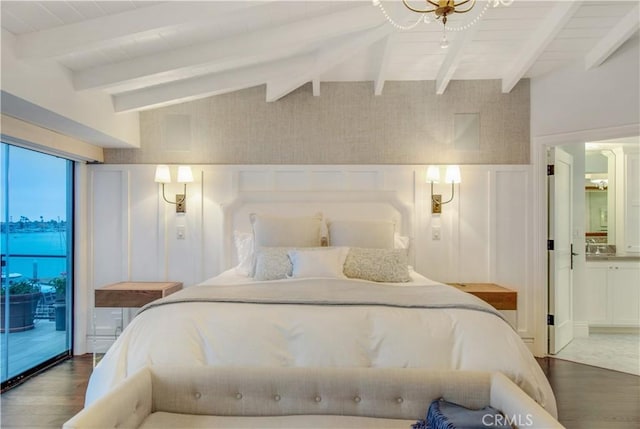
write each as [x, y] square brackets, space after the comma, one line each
[372, 234]
[325, 262]
[244, 250]
[401, 241]
[273, 231]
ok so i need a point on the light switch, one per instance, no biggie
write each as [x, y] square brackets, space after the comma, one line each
[180, 233]
[435, 233]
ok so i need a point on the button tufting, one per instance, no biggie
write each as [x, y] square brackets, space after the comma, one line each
[318, 399]
[197, 395]
[399, 400]
[357, 399]
[239, 396]
[276, 397]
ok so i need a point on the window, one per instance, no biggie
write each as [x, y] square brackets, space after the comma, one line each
[36, 220]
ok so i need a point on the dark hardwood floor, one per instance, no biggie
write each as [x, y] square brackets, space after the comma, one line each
[50, 398]
[588, 397]
[593, 398]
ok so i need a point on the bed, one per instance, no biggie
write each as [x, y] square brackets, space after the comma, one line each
[308, 292]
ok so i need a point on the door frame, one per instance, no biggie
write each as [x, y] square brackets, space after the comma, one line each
[69, 183]
[539, 146]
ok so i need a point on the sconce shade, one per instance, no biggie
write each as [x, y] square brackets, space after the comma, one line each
[163, 175]
[453, 174]
[184, 174]
[433, 174]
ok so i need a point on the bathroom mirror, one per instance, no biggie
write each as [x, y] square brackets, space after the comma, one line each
[600, 196]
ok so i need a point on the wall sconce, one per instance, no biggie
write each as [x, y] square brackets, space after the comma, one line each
[163, 175]
[452, 176]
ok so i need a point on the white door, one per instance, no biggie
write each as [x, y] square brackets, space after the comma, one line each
[560, 250]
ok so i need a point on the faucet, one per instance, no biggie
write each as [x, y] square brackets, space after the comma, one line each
[590, 243]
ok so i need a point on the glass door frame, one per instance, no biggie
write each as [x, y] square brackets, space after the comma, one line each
[16, 379]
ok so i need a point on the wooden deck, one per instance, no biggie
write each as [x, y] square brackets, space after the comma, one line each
[30, 348]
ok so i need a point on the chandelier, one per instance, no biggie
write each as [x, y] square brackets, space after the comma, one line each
[442, 10]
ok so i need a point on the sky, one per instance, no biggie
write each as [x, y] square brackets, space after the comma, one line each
[37, 185]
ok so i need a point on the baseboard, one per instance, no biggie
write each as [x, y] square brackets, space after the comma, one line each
[99, 344]
[530, 343]
[580, 329]
[614, 330]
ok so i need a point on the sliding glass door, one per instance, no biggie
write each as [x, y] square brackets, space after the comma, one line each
[37, 265]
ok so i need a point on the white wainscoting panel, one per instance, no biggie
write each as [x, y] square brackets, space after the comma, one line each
[486, 231]
[475, 244]
[513, 241]
[109, 248]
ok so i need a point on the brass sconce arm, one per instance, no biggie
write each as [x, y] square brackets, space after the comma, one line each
[180, 202]
[433, 176]
[180, 198]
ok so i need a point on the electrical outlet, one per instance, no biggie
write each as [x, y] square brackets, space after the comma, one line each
[180, 233]
[435, 233]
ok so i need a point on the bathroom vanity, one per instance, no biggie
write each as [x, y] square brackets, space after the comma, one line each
[613, 291]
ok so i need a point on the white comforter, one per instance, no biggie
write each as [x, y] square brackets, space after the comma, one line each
[321, 322]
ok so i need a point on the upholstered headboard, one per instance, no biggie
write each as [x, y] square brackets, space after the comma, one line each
[352, 205]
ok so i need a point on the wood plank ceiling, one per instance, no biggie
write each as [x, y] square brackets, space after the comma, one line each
[148, 54]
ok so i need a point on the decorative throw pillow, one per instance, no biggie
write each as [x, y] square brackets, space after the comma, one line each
[323, 262]
[447, 415]
[274, 231]
[272, 263]
[378, 265]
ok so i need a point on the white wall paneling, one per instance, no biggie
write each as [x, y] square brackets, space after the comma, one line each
[485, 231]
[632, 202]
[109, 238]
[513, 240]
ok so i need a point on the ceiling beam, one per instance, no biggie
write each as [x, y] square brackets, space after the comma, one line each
[552, 24]
[209, 85]
[281, 76]
[613, 39]
[110, 30]
[378, 83]
[327, 58]
[237, 51]
[454, 55]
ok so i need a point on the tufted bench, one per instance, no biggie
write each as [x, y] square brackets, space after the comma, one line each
[214, 397]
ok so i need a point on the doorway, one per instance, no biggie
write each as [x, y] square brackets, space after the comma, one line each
[36, 216]
[606, 303]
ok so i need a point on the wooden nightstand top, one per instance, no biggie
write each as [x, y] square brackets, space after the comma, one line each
[133, 294]
[498, 296]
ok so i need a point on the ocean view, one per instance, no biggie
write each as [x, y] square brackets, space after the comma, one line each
[43, 245]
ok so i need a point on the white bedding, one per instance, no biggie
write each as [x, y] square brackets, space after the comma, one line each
[420, 329]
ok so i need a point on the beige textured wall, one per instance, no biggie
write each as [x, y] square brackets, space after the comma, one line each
[347, 124]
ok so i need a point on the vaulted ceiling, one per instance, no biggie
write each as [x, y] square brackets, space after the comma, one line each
[148, 54]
